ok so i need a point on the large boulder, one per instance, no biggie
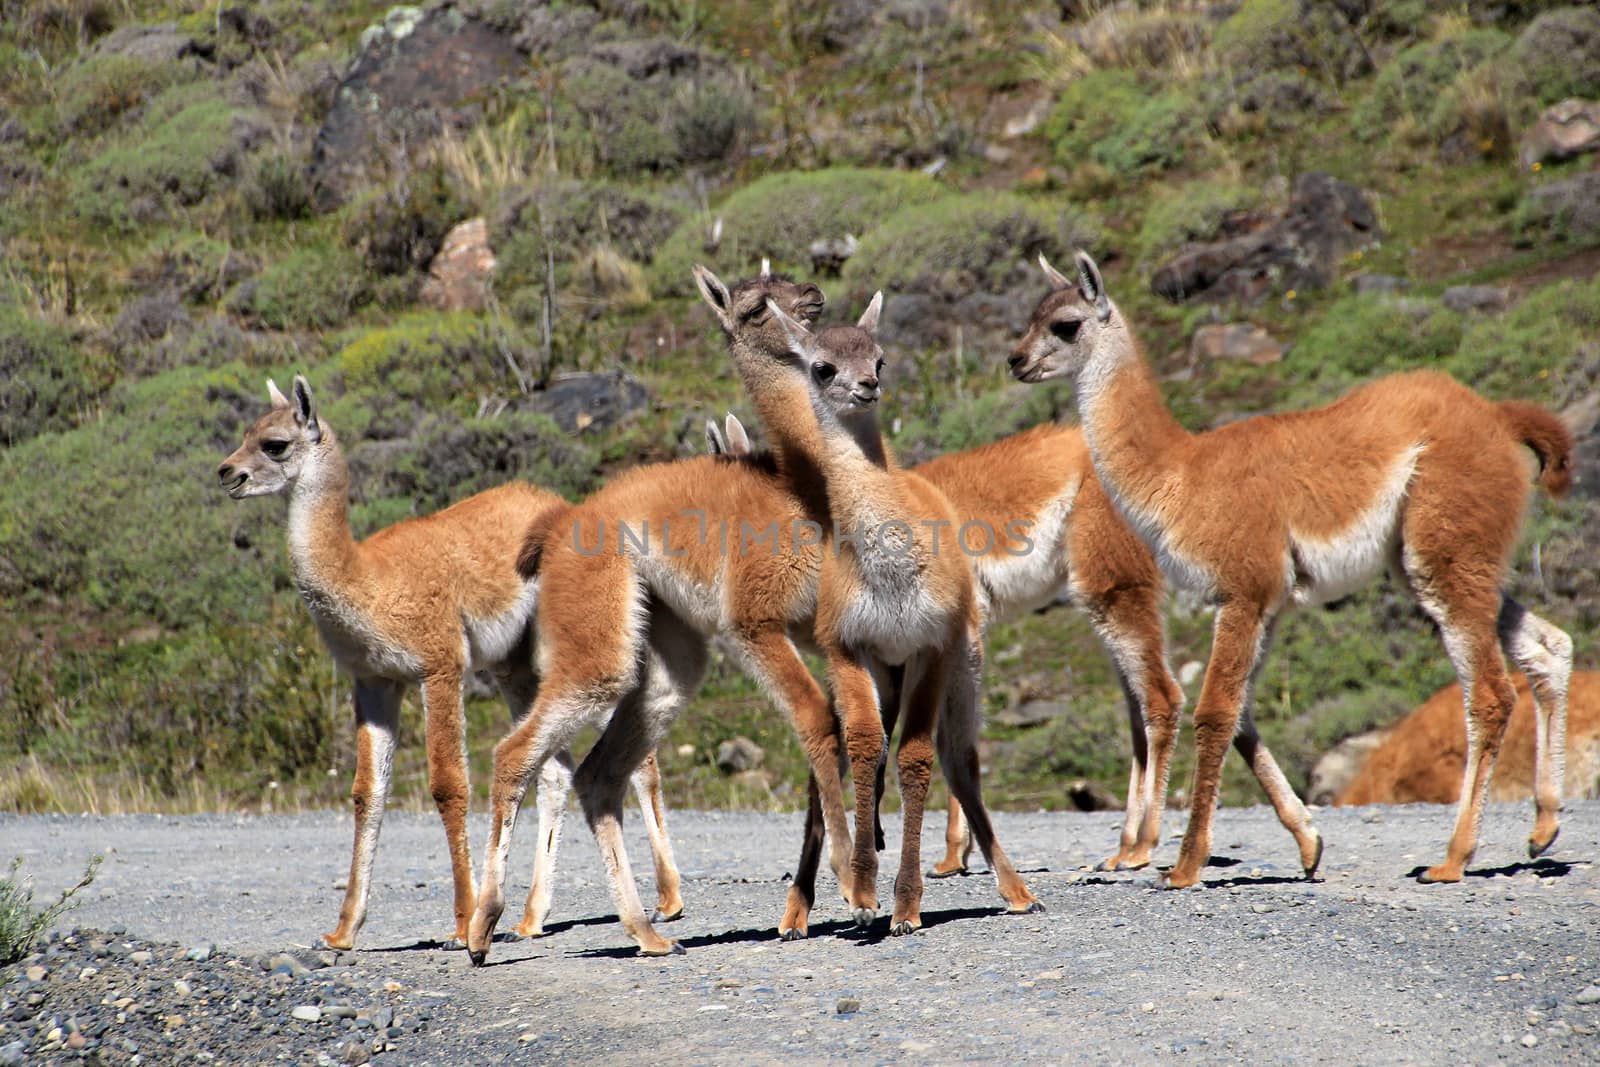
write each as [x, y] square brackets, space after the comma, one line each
[458, 277]
[1421, 758]
[413, 74]
[580, 401]
[160, 43]
[1569, 208]
[1326, 220]
[1565, 130]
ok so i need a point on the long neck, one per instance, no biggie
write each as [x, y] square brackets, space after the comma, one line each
[320, 544]
[1137, 446]
[863, 480]
[783, 400]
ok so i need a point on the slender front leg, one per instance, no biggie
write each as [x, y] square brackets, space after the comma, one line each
[377, 707]
[647, 787]
[889, 698]
[803, 890]
[447, 780]
[857, 695]
[555, 783]
[926, 695]
[1235, 647]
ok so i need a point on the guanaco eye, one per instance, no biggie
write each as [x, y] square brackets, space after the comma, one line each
[275, 449]
[878, 370]
[824, 372]
[1066, 332]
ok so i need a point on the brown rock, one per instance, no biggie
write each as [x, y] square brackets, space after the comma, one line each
[1565, 130]
[1237, 341]
[458, 277]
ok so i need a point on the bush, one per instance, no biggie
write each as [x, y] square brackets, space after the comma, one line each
[399, 230]
[1360, 337]
[1412, 83]
[47, 376]
[279, 188]
[175, 157]
[1273, 36]
[1108, 117]
[780, 215]
[1558, 56]
[1546, 349]
[430, 359]
[196, 267]
[314, 287]
[20, 923]
[1194, 211]
[97, 91]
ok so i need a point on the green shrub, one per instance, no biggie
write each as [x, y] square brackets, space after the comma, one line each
[47, 376]
[1411, 84]
[175, 157]
[982, 242]
[780, 215]
[278, 188]
[569, 219]
[198, 267]
[20, 923]
[1192, 211]
[1536, 351]
[431, 359]
[1273, 36]
[1360, 337]
[399, 229]
[313, 287]
[1558, 56]
[97, 91]
[1109, 118]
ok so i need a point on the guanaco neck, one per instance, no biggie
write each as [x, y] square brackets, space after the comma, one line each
[1139, 449]
[324, 554]
[783, 400]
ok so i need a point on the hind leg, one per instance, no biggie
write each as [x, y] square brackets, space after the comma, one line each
[889, 698]
[647, 787]
[1543, 652]
[957, 843]
[555, 784]
[1466, 607]
[958, 754]
[925, 694]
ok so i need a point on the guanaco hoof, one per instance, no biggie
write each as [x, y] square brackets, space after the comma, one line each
[951, 873]
[1316, 861]
[1535, 850]
[452, 944]
[673, 949]
[478, 958]
[902, 928]
[1438, 876]
[796, 934]
[516, 933]
[1035, 907]
[658, 916]
[864, 917]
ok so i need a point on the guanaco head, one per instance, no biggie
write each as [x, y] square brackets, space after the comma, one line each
[732, 442]
[1065, 325]
[276, 446]
[742, 309]
[841, 363]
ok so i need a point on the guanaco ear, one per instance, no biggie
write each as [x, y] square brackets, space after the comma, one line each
[766, 268]
[305, 408]
[1056, 278]
[799, 336]
[275, 395]
[1092, 287]
[738, 442]
[716, 295]
[869, 317]
[714, 442]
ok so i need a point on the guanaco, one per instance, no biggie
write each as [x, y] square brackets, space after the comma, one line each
[420, 603]
[1414, 471]
[887, 595]
[633, 581]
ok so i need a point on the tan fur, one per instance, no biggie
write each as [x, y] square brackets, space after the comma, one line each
[1413, 472]
[885, 597]
[420, 603]
[1421, 758]
[603, 613]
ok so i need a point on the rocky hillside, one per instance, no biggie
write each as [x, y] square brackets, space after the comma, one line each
[470, 224]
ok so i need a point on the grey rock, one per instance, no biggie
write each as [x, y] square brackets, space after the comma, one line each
[1564, 131]
[1485, 298]
[1339, 766]
[1032, 713]
[141, 956]
[1235, 341]
[739, 754]
[287, 965]
[847, 1006]
[161, 43]
[1379, 283]
[307, 1013]
[1326, 220]
[356, 1052]
[580, 401]
[201, 952]
[1567, 208]
[1588, 995]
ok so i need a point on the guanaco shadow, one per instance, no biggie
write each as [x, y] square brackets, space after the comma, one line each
[1544, 868]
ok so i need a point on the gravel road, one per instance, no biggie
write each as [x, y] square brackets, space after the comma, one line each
[1260, 967]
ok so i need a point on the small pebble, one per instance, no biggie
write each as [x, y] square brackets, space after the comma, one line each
[307, 1013]
[141, 956]
[1529, 1040]
[356, 1052]
[1588, 995]
[201, 952]
[36, 973]
[183, 987]
[847, 1006]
